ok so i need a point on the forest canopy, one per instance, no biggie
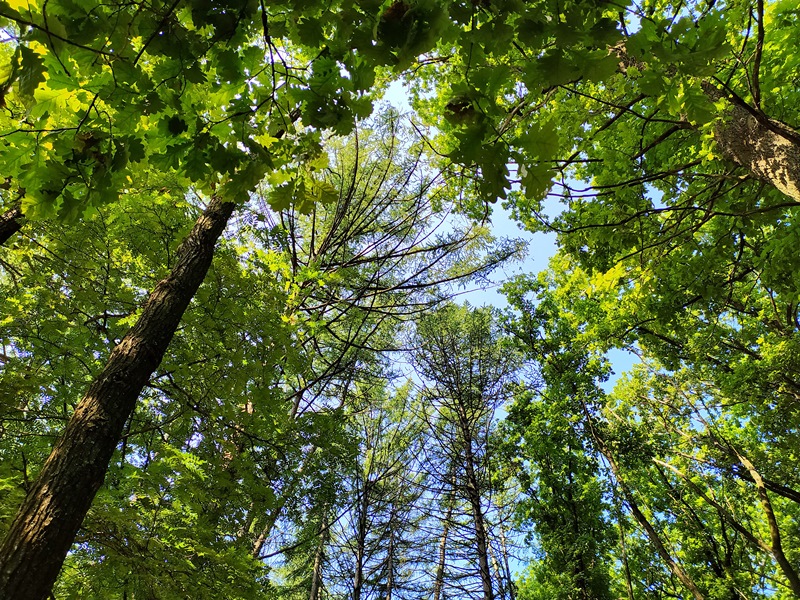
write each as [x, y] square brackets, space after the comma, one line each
[233, 358]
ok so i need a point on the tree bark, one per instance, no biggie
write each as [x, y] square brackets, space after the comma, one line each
[481, 543]
[10, 223]
[361, 542]
[768, 149]
[45, 526]
[319, 557]
[438, 583]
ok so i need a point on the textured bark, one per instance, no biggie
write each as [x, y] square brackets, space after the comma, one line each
[766, 148]
[45, 526]
[10, 223]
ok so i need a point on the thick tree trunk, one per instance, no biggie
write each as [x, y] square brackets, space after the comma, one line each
[48, 520]
[10, 223]
[766, 148]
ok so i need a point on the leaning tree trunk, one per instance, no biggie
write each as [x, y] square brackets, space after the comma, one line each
[766, 148]
[10, 223]
[45, 526]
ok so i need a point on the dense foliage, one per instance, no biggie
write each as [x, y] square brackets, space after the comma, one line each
[311, 415]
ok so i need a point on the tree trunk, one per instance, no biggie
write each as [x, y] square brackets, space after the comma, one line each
[652, 534]
[361, 542]
[623, 547]
[501, 588]
[319, 556]
[481, 545]
[10, 223]
[438, 584]
[774, 530]
[769, 150]
[390, 558]
[506, 563]
[50, 516]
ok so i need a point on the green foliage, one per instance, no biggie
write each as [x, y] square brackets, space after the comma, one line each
[599, 121]
[684, 440]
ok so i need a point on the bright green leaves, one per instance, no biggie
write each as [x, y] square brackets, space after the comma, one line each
[170, 78]
[695, 104]
[672, 438]
[537, 147]
[303, 193]
[536, 180]
[547, 433]
[331, 100]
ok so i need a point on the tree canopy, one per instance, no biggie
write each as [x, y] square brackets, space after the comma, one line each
[231, 363]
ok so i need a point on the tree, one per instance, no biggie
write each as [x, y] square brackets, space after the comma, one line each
[668, 446]
[374, 547]
[671, 132]
[466, 370]
[673, 206]
[91, 106]
[632, 96]
[10, 223]
[46, 523]
[278, 338]
[547, 448]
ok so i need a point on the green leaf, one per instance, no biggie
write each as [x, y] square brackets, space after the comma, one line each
[31, 72]
[536, 179]
[600, 68]
[282, 196]
[539, 141]
[556, 67]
